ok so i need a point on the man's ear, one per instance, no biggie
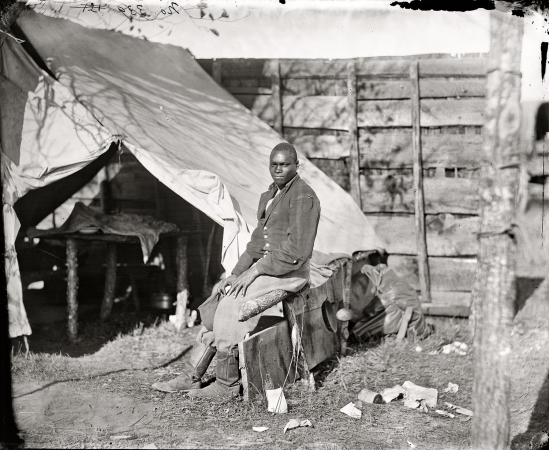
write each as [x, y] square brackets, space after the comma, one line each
[297, 164]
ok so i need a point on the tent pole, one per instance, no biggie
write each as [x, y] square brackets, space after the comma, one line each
[419, 201]
[72, 289]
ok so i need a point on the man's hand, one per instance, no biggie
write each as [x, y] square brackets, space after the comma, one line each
[229, 281]
[241, 284]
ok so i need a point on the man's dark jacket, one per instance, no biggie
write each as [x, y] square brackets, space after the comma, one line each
[285, 234]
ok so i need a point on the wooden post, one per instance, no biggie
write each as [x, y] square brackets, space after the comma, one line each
[419, 203]
[276, 96]
[110, 282]
[494, 291]
[216, 71]
[182, 289]
[354, 157]
[72, 289]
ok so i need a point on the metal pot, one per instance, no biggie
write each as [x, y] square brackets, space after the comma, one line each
[162, 300]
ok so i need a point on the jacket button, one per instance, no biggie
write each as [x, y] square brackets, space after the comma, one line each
[265, 228]
[265, 236]
[267, 244]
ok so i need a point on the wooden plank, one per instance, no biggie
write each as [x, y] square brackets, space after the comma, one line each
[419, 204]
[266, 354]
[276, 96]
[430, 309]
[353, 133]
[255, 90]
[336, 169]
[315, 68]
[260, 105]
[447, 274]
[315, 112]
[389, 67]
[245, 68]
[394, 149]
[314, 86]
[434, 112]
[319, 343]
[318, 146]
[447, 235]
[312, 299]
[454, 298]
[390, 191]
[371, 89]
[404, 324]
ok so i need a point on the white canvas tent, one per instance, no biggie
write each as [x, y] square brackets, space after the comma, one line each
[156, 100]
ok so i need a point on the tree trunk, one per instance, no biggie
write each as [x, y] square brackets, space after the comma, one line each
[494, 292]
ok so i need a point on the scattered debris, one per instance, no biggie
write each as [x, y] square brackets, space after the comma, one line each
[276, 401]
[260, 429]
[444, 413]
[452, 388]
[419, 349]
[358, 404]
[296, 423]
[456, 347]
[459, 409]
[368, 396]
[393, 393]
[411, 445]
[414, 392]
[351, 411]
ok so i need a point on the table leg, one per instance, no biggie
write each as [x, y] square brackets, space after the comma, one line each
[110, 282]
[72, 289]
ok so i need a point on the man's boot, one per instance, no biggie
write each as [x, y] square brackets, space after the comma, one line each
[227, 383]
[197, 363]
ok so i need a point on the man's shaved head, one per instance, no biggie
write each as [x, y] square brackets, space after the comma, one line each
[284, 147]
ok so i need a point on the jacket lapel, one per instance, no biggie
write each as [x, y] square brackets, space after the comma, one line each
[265, 197]
[279, 197]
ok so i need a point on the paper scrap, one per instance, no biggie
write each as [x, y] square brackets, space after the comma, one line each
[452, 388]
[414, 392]
[444, 413]
[411, 403]
[260, 429]
[411, 445]
[419, 349]
[295, 423]
[351, 411]
[393, 393]
[276, 402]
[459, 409]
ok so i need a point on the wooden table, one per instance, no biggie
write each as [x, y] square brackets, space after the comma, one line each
[110, 276]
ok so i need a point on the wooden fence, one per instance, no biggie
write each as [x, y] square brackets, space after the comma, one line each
[353, 119]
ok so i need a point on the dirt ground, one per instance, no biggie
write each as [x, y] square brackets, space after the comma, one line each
[103, 399]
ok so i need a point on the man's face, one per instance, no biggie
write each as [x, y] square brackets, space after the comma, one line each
[282, 167]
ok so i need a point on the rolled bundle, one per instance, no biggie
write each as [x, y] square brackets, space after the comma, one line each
[257, 305]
